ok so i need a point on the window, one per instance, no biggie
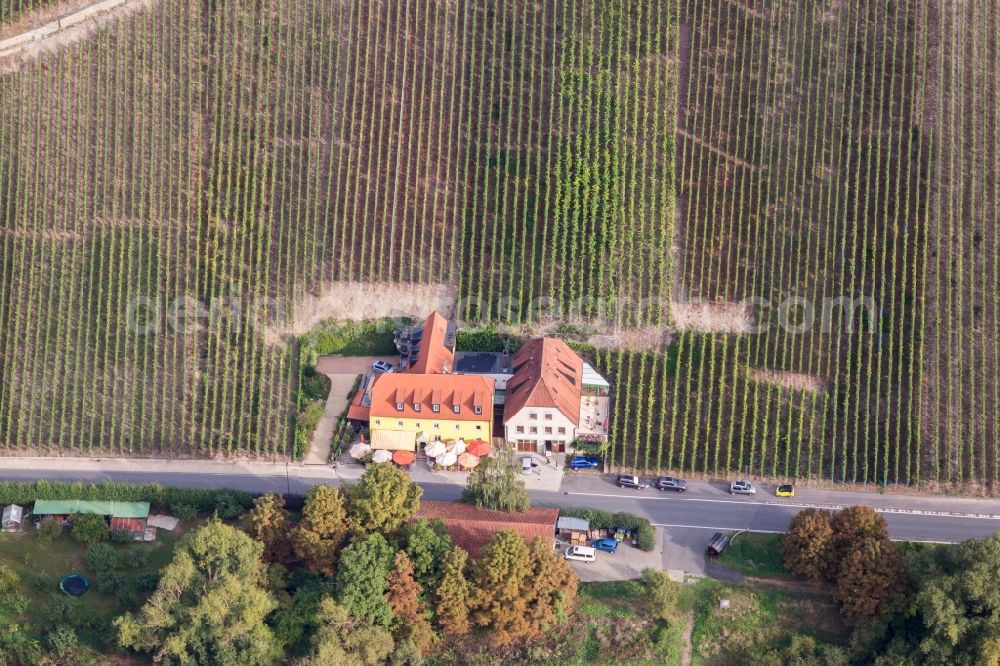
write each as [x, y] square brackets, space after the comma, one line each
[399, 406]
[416, 406]
[519, 430]
[548, 431]
[478, 409]
[562, 431]
[436, 426]
[378, 421]
[532, 415]
[479, 427]
[458, 427]
[533, 430]
[418, 424]
[457, 409]
[436, 408]
[548, 417]
[399, 423]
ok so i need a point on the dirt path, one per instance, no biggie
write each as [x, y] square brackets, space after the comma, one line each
[74, 23]
[686, 647]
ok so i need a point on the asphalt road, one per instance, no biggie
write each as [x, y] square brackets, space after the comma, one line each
[705, 506]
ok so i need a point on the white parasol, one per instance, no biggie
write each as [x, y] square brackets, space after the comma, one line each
[381, 456]
[434, 449]
[359, 450]
[447, 460]
[459, 447]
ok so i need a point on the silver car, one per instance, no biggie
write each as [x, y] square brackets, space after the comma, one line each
[742, 488]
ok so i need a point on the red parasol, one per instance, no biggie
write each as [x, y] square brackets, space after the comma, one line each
[403, 457]
[478, 447]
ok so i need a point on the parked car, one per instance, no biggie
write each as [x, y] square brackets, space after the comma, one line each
[584, 462]
[581, 554]
[381, 366]
[786, 490]
[526, 464]
[630, 481]
[742, 488]
[607, 545]
[671, 483]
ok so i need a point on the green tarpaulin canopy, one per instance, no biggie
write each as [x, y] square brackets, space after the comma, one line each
[113, 509]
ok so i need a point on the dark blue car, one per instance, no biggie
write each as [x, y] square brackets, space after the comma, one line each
[584, 462]
[607, 545]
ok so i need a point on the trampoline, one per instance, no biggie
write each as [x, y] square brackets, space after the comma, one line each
[75, 585]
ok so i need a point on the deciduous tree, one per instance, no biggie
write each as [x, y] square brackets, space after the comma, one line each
[404, 597]
[362, 580]
[502, 577]
[319, 537]
[209, 606]
[346, 641]
[872, 580]
[852, 527]
[494, 484]
[453, 596]
[426, 543]
[807, 542]
[269, 522]
[383, 500]
[551, 588]
[90, 528]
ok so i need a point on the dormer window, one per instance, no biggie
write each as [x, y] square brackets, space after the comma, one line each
[458, 409]
[435, 408]
[478, 409]
[416, 406]
[399, 406]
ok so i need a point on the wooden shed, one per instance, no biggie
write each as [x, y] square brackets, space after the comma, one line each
[573, 530]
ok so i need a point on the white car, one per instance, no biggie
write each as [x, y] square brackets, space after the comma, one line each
[381, 366]
[742, 488]
[581, 554]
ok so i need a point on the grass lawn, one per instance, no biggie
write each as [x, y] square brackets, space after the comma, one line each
[755, 555]
[40, 566]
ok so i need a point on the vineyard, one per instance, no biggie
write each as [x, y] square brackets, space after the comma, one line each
[833, 162]
[192, 158]
[832, 149]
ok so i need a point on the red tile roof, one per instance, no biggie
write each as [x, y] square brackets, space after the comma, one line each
[130, 525]
[434, 356]
[547, 373]
[472, 528]
[467, 391]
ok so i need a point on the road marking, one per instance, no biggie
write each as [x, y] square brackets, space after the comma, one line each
[799, 505]
[743, 529]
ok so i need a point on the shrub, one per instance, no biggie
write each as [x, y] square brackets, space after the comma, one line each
[645, 533]
[147, 582]
[121, 536]
[57, 610]
[49, 530]
[228, 507]
[137, 556]
[315, 385]
[62, 640]
[110, 582]
[15, 602]
[203, 499]
[183, 511]
[89, 528]
[101, 557]
[8, 579]
[41, 582]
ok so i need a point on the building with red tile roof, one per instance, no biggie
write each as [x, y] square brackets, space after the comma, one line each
[452, 407]
[430, 348]
[472, 528]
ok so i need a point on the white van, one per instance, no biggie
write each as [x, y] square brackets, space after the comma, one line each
[581, 554]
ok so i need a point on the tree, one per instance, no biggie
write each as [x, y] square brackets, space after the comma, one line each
[552, 590]
[319, 536]
[404, 599]
[362, 580]
[210, 605]
[49, 530]
[953, 614]
[852, 527]
[383, 500]
[502, 578]
[871, 580]
[269, 524]
[800, 651]
[343, 640]
[806, 543]
[494, 484]
[9, 579]
[90, 528]
[426, 543]
[453, 595]
[661, 594]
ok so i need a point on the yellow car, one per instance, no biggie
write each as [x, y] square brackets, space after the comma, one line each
[786, 490]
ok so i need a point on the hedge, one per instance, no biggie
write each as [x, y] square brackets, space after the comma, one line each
[203, 499]
[645, 535]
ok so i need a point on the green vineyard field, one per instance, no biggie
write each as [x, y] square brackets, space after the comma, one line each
[676, 160]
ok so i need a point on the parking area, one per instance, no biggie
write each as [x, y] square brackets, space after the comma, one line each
[627, 563]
